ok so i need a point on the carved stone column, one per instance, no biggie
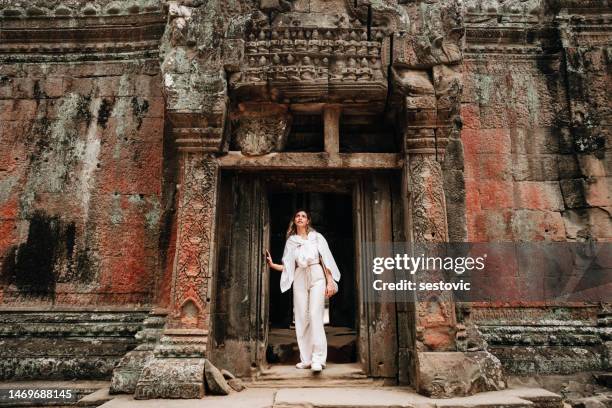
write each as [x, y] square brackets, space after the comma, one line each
[424, 145]
[177, 370]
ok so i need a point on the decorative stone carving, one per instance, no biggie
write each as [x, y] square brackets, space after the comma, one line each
[434, 37]
[301, 63]
[488, 12]
[191, 281]
[178, 367]
[199, 43]
[75, 38]
[97, 8]
[429, 208]
[261, 129]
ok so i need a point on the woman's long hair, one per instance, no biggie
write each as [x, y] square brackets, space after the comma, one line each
[292, 230]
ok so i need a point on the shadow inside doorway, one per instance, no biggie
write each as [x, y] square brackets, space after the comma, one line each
[331, 216]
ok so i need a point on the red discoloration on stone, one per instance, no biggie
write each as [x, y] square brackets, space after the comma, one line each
[494, 141]
[491, 225]
[438, 339]
[8, 235]
[17, 109]
[495, 166]
[598, 191]
[471, 166]
[535, 225]
[117, 152]
[9, 209]
[469, 138]
[472, 196]
[496, 194]
[470, 115]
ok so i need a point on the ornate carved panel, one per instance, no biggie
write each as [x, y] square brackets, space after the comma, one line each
[191, 279]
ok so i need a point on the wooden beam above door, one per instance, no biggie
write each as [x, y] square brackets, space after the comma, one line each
[311, 161]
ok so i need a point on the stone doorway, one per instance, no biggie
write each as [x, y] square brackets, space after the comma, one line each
[332, 216]
[254, 209]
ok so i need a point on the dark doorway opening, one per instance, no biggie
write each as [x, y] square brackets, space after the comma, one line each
[332, 216]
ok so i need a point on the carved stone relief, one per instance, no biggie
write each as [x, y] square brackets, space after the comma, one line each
[195, 234]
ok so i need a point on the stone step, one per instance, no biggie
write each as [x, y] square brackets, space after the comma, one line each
[334, 375]
[315, 383]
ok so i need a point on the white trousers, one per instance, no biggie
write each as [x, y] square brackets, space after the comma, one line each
[309, 308]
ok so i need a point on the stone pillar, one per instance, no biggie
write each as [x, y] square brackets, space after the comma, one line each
[425, 204]
[331, 129]
[177, 369]
[430, 109]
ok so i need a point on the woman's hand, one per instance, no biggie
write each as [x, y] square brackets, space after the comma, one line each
[330, 289]
[268, 258]
[276, 267]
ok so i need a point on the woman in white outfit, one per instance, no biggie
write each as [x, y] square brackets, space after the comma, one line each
[309, 265]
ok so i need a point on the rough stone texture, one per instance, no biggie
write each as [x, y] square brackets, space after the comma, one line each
[534, 139]
[171, 378]
[448, 374]
[65, 345]
[80, 164]
[236, 384]
[127, 371]
[536, 145]
[109, 143]
[215, 381]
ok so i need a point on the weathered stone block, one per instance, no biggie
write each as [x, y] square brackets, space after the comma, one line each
[534, 141]
[451, 374]
[537, 225]
[597, 191]
[236, 384]
[494, 166]
[573, 193]
[128, 370]
[215, 381]
[171, 378]
[531, 167]
[496, 194]
[544, 195]
[470, 115]
[494, 141]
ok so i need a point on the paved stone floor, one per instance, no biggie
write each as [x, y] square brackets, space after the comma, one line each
[329, 397]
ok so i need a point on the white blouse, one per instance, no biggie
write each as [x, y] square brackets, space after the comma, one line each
[300, 253]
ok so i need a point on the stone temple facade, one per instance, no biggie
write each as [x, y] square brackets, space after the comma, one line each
[141, 142]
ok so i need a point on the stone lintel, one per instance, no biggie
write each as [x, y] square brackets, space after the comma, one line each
[311, 161]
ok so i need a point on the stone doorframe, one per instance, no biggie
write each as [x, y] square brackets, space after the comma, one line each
[376, 216]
